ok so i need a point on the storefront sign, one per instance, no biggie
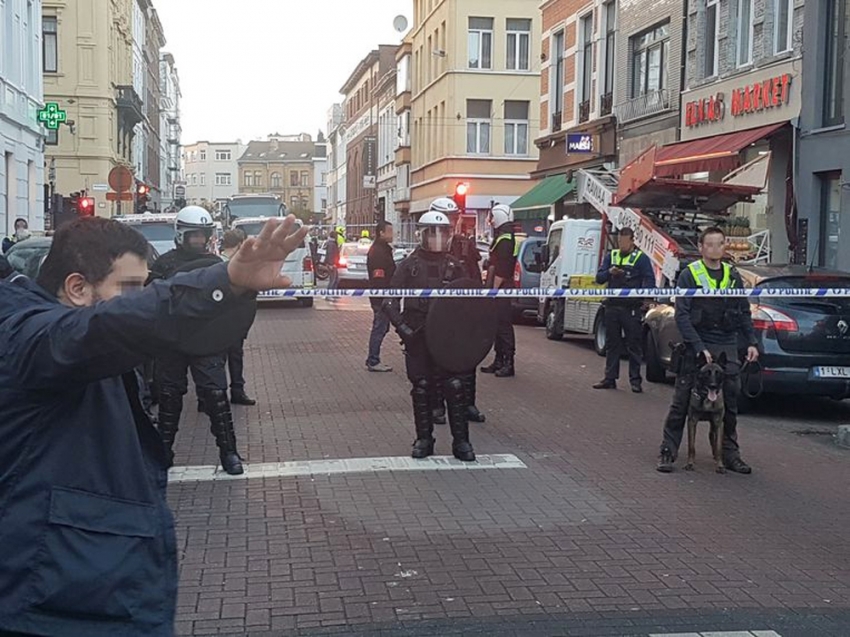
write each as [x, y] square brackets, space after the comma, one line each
[706, 110]
[579, 143]
[752, 98]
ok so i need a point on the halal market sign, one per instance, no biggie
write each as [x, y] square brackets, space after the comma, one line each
[774, 92]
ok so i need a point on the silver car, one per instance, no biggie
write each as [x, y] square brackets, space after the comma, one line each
[351, 270]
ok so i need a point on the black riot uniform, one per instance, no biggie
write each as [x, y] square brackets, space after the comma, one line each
[428, 270]
[208, 372]
[721, 326]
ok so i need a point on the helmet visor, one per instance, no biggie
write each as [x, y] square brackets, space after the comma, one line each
[435, 238]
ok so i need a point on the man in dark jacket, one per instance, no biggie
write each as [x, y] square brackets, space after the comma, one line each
[381, 267]
[87, 542]
[710, 327]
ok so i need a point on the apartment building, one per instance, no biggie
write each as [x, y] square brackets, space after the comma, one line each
[170, 131]
[387, 143]
[403, 156]
[336, 166]
[211, 172]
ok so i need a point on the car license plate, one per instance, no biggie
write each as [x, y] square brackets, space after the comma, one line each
[832, 372]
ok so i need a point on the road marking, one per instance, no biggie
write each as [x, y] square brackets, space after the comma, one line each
[352, 465]
[734, 633]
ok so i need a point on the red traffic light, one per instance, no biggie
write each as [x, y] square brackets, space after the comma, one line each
[85, 206]
[143, 189]
[461, 190]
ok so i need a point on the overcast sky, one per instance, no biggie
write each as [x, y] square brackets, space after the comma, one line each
[249, 68]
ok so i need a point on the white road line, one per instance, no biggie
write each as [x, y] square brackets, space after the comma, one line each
[734, 633]
[352, 465]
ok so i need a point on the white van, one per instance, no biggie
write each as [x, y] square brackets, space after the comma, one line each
[573, 252]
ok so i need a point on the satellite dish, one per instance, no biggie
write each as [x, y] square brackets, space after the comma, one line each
[400, 23]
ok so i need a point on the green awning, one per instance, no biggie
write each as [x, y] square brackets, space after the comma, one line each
[541, 213]
[544, 195]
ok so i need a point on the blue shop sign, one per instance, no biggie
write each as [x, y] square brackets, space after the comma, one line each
[579, 143]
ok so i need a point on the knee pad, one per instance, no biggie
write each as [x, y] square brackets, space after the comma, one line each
[422, 386]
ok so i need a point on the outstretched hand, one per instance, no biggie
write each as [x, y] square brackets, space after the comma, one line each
[257, 264]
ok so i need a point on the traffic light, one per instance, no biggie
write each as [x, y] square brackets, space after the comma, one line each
[81, 205]
[460, 196]
[142, 197]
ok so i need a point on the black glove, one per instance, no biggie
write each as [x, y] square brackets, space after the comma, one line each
[406, 333]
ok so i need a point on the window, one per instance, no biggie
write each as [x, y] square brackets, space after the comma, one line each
[202, 155]
[324, 204]
[516, 128]
[650, 52]
[554, 246]
[586, 31]
[222, 155]
[224, 179]
[745, 32]
[194, 179]
[519, 42]
[833, 84]
[52, 138]
[783, 25]
[293, 203]
[478, 126]
[50, 44]
[258, 178]
[276, 182]
[249, 179]
[710, 38]
[607, 105]
[557, 97]
[293, 178]
[480, 43]
[203, 179]
[305, 178]
[830, 221]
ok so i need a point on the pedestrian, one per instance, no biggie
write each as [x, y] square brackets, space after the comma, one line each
[381, 267]
[88, 544]
[710, 327]
[230, 244]
[627, 267]
[193, 229]
[500, 276]
[22, 232]
[430, 266]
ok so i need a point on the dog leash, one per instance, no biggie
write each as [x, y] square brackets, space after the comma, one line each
[748, 370]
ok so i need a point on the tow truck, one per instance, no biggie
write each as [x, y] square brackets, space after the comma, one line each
[666, 216]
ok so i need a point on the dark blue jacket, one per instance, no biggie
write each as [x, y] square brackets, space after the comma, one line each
[87, 542]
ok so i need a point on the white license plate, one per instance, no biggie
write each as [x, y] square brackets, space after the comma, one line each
[831, 372]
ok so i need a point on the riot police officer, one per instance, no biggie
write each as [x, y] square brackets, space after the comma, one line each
[429, 266]
[194, 228]
[625, 267]
[500, 275]
[710, 327]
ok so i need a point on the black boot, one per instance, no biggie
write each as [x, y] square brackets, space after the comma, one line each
[495, 366]
[458, 420]
[470, 385]
[423, 419]
[239, 397]
[170, 406]
[221, 426]
[439, 402]
[507, 368]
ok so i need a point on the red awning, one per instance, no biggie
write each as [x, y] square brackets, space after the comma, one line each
[720, 153]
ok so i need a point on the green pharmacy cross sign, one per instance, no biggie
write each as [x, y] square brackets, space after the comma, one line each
[52, 116]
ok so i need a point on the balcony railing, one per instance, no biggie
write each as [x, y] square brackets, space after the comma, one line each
[584, 111]
[130, 104]
[556, 121]
[648, 104]
[606, 104]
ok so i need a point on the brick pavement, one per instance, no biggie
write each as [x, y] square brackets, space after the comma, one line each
[589, 531]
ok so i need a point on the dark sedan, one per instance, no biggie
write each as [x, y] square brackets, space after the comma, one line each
[805, 342]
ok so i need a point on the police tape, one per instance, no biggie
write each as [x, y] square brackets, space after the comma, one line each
[559, 293]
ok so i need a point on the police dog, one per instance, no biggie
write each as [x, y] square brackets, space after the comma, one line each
[707, 403]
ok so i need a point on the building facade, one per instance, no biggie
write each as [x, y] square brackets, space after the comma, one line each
[474, 97]
[100, 99]
[822, 222]
[386, 146]
[152, 99]
[211, 172]
[336, 166]
[403, 156]
[170, 132]
[744, 91]
[21, 138]
[360, 112]
[320, 179]
[284, 166]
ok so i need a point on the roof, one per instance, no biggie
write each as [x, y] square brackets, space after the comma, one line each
[544, 194]
[269, 151]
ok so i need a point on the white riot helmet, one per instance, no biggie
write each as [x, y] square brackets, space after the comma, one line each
[445, 205]
[193, 219]
[500, 215]
[435, 231]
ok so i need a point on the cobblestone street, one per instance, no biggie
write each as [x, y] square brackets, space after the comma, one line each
[569, 530]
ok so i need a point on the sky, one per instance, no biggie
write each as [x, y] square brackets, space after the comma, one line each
[250, 68]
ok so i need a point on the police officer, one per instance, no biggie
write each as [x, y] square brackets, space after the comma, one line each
[710, 327]
[194, 228]
[500, 276]
[430, 266]
[625, 267]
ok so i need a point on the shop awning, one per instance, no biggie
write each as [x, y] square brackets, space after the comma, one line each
[719, 153]
[537, 202]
